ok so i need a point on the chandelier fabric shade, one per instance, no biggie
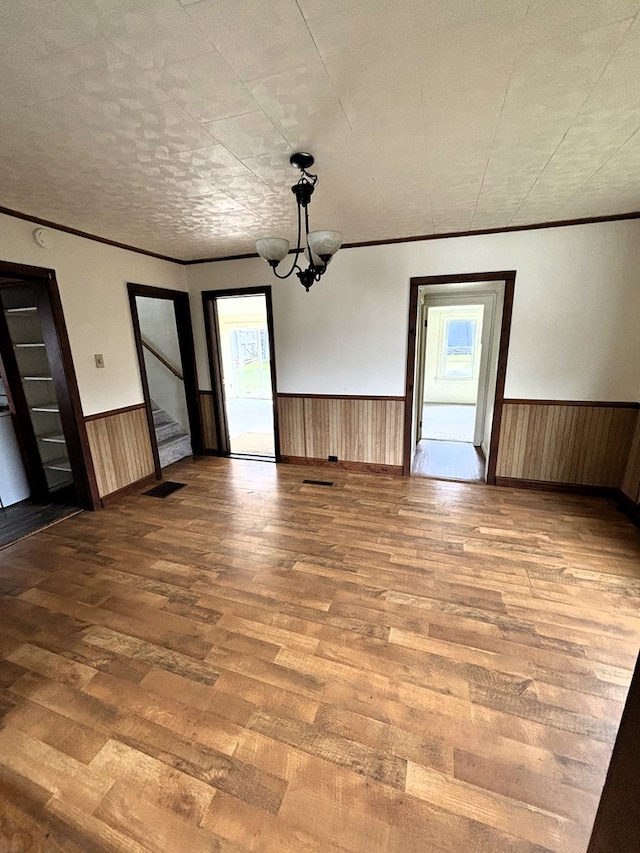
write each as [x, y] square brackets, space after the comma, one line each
[320, 246]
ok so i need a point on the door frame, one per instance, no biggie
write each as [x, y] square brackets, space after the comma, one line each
[63, 373]
[509, 277]
[212, 332]
[184, 328]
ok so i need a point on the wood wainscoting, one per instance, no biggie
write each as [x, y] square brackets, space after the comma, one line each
[567, 443]
[121, 448]
[366, 430]
[208, 421]
[631, 479]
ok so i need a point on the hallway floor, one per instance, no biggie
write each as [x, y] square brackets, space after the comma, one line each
[448, 460]
[448, 423]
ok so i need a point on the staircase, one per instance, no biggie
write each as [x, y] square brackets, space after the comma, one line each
[173, 442]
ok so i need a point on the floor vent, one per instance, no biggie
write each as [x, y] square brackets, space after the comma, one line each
[318, 482]
[164, 489]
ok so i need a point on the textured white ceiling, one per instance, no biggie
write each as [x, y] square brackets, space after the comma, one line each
[168, 125]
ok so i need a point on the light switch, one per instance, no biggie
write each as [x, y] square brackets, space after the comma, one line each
[99, 359]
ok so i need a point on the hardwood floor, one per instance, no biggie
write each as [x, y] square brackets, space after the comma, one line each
[389, 665]
[448, 460]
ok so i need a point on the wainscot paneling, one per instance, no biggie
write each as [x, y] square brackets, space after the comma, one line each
[120, 447]
[207, 419]
[565, 442]
[355, 429]
[631, 479]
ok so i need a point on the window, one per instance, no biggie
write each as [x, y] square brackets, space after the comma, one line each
[458, 349]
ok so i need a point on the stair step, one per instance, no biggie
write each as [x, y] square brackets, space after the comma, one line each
[168, 430]
[173, 449]
[173, 442]
[161, 417]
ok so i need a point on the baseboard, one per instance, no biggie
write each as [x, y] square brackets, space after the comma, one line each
[551, 486]
[149, 480]
[358, 467]
[629, 508]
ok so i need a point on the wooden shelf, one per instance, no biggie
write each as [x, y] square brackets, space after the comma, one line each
[61, 464]
[53, 438]
[57, 479]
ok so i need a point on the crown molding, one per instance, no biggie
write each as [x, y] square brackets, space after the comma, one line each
[77, 233]
[561, 223]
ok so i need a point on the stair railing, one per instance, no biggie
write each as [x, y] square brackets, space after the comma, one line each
[162, 359]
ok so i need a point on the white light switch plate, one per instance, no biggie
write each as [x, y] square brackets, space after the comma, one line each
[99, 359]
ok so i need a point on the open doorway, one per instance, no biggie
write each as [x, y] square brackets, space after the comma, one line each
[240, 342]
[46, 472]
[456, 366]
[164, 341]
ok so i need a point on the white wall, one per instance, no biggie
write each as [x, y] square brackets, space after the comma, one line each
[14, 486]
[574, 332]
[92, 279]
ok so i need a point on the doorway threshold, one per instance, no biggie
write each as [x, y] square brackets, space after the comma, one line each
[255, 456]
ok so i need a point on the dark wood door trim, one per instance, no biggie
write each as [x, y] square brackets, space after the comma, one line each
[209, 298]
[509, 277]
[184, 327]
[212, 333]
[64, 378]
[617, 825]
[58, 348]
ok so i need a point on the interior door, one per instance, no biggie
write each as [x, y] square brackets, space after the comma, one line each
[420, 368]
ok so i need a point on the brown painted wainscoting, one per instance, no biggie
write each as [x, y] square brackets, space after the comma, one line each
[121, 448]
[366, 430]
[563, 442]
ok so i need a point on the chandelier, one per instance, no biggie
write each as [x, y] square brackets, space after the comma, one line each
[321, 246]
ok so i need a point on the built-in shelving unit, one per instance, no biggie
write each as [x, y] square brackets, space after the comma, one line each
[25, 331]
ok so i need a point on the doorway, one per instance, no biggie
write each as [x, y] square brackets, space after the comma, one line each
[456, 364]
[166, 356]
[239, 325]
[47, 471]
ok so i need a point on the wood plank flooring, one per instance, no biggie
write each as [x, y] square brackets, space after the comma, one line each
[448, 460]
[389, 665]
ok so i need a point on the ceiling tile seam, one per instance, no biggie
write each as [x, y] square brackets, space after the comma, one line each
[326, 70]
[231, 71]
[636, 132]
[577, 115]
[600, 168]
[516, 54]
